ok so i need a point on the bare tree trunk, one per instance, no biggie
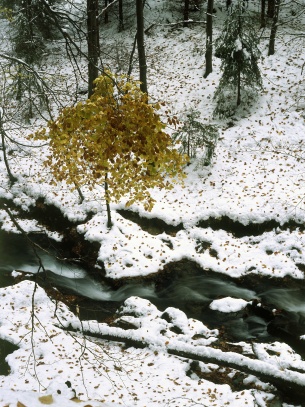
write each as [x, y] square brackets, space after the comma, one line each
[109, 220]
[271, 49]
[80, 194]
[141, 46]
[263, 13]
[93, 43]
[121, 19]
[106, 19]
[239, 89]
[271, 8]
[209, 39]
[132, 55]
[186, 12]
[12, 178]
[239, 63]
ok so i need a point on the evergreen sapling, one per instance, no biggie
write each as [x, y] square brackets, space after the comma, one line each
[237, 46]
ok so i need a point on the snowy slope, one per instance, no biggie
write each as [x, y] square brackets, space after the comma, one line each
[257, 176]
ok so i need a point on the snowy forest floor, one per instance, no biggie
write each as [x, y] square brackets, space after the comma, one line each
[256, 178]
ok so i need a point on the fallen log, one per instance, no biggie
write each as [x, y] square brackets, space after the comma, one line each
[289, 383]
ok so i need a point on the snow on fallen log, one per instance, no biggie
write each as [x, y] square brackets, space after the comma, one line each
[172, 332]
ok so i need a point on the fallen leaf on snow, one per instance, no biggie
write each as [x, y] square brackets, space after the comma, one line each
[46, 399]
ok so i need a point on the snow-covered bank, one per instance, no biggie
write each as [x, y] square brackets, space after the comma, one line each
[50, 357]
[257, 176]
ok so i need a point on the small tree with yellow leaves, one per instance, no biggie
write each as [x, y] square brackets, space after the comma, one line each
[115, 138]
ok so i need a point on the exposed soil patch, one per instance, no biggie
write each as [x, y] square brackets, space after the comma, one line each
[238, 230]
[154, 226]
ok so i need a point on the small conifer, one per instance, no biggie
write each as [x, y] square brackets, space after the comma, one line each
[237, 46]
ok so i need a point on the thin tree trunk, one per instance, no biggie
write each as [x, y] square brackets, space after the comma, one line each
[271, 48]
[121, 18]
[29, 18]
[106, 19]
[263, 13]
[239, 89]
[19, 83]
[132, 55]
[80, 194]
[186, 12]
[239, 62]
[271, 8]
[12, 178]
[141, 46]
[209, 39]
[109, 220]
[93, 43]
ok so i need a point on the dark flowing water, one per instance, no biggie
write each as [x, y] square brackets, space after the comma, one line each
[6, 348]
[190, 292]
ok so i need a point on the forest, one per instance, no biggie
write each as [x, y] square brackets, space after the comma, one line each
[152, 246]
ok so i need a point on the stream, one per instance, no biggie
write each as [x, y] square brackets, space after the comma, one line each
[191, 292]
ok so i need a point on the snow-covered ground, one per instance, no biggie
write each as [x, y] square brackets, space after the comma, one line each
[61, 364]
[257, 176]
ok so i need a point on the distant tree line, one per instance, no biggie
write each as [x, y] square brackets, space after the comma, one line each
[34, 22]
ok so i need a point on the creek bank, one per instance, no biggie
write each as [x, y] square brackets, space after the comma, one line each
[6, 348]
[154, 226]
[191, 289]
[286, 381]
[76, 249]
[237, 229]
[74, 244]
[79, 251]
[73, 247]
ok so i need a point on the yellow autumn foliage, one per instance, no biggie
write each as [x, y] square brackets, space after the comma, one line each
[115, 136]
